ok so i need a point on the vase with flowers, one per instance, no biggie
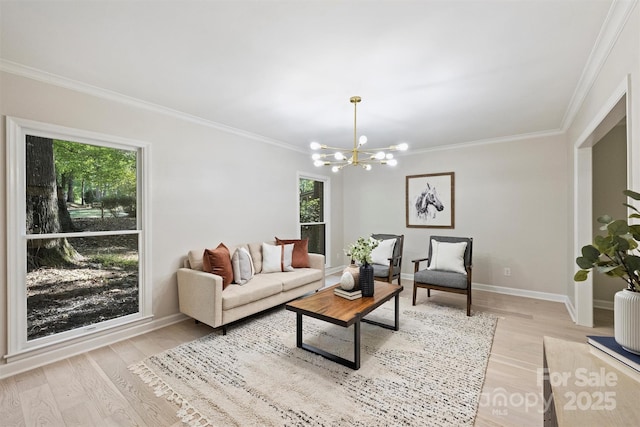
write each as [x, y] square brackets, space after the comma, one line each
[616, 254]
[360, 251]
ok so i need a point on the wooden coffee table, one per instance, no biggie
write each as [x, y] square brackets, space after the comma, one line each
[327, 306]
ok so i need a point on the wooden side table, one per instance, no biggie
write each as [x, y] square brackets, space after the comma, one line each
[583, 386]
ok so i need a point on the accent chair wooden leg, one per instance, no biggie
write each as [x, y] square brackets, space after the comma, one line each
[428, 292]
[415, 288]
[469, 305]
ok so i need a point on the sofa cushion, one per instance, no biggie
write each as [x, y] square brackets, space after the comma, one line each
[261, 286]
[276, 258]
[242, 266]
[218, 261]
[300, 251]
[298, 277]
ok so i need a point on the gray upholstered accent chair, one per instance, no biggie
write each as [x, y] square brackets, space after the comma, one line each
[445, 279]
[391, 272]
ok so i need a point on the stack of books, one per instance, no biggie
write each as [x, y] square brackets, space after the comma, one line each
[609, 346]
[348, 294]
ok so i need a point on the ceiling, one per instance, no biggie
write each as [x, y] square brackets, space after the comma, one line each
[430, 73]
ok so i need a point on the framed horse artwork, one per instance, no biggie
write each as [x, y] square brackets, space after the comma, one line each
[430, 200]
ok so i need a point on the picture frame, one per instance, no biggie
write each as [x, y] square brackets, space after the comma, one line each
[430, 200]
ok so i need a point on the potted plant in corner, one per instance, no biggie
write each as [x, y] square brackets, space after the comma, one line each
[616, 254]
[360, 251]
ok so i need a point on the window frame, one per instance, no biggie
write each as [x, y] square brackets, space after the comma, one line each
[16, 131]
[326, 209]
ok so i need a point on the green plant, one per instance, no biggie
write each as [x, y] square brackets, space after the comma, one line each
[361, 249]
[616, 253]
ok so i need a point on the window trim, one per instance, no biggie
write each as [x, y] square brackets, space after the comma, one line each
[327, 209]
[16, 131]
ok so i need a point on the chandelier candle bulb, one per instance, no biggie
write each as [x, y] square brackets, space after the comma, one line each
[359, 157]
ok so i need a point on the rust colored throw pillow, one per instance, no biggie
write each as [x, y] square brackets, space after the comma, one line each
[218, 261]
[300, 251]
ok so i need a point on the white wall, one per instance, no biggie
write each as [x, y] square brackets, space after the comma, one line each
[510, 197]
[620, 70]
[208, 186]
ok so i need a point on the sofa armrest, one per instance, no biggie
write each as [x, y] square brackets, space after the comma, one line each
[200, 296]
[316, 261]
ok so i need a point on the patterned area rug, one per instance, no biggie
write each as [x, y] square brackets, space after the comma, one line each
[430, 372]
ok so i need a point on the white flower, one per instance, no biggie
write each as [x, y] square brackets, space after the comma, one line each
[361, 249]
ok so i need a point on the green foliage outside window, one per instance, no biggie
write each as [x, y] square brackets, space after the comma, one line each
[311, 197]
[95, 172]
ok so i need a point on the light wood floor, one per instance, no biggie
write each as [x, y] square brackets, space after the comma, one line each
[97, 389]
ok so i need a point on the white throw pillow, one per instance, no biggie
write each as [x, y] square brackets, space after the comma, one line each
[242, 265]
[447, 256]
[382, 252]
[276, 258]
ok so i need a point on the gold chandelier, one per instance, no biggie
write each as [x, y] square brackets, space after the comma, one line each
[359, 157]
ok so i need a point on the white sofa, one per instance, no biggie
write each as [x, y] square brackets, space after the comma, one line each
[201, 295]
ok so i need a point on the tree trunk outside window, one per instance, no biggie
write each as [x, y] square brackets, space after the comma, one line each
[43, 213]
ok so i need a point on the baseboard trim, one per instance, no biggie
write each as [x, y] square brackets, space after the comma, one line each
[546, 296]
[44, 358]
[571, 309]
[334, 270]
[603, 304]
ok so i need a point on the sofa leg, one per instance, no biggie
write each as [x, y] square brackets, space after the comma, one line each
[197, 321]
[224, 329]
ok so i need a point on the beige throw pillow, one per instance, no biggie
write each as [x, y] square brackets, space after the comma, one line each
[242, 265]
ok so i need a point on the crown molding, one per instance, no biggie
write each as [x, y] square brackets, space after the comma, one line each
[498, 140]
[618, 15]
[53, 79]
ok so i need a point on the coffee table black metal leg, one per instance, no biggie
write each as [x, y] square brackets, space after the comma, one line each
[397, 313]
[356, 345]
[355, 364]
[396, 325]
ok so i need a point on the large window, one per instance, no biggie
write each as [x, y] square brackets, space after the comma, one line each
[312, 196]
[77, 223]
